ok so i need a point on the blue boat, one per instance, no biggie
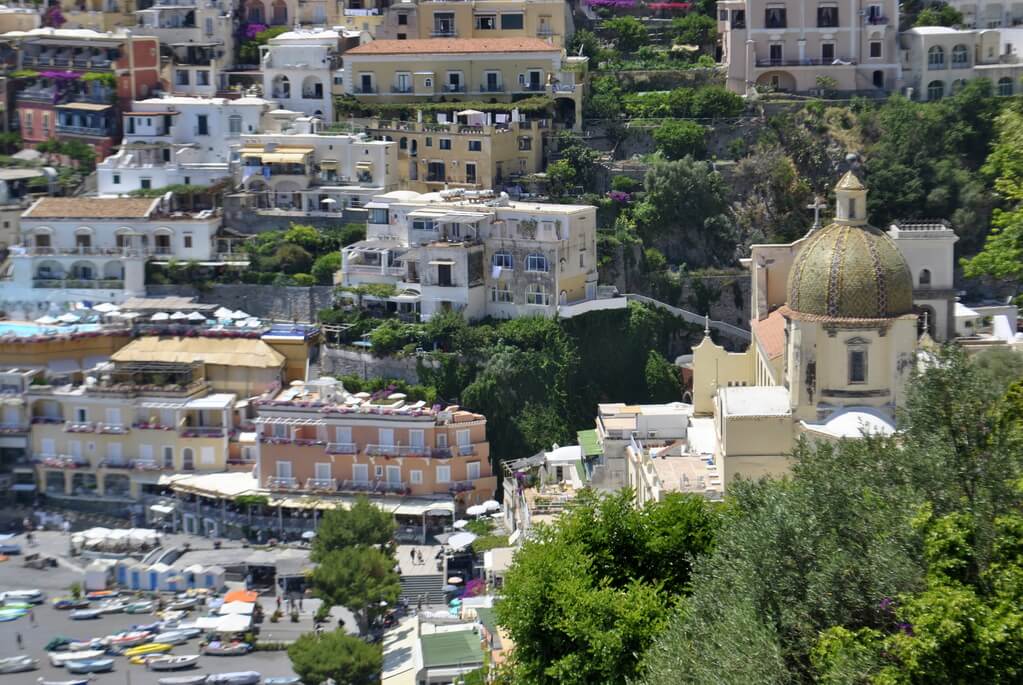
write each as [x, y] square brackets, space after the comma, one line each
[101, 665]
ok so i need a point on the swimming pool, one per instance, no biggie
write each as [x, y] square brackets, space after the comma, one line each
[26, 330]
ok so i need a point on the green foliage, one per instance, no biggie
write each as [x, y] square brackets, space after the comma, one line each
[584, 43]
[587, 595]
[627, 33]
[625, 184]
[561, 177]
[106, 78]
[293, 259]
[939, 14]
[678, 139]
[335, 655]
[325, 267]
[306, 237]
[248, 51]
[359, 579]
[693, 29]
[371, 385]
[178, 189]
[662, 379]
[363, 525]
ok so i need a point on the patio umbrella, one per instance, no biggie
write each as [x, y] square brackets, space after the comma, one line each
[460, 524]
[159, 316]
[397, 396]
[178, 316]
[363, 395]
[196, 316]
[491, 505]
[450, 588]
[222, 313]
[476, 510]
[455, 580]
[252, 323]
[239, 314]
[106, 308]
[308, 535]
[328, 201]
[461, 540]
[68, 318]
[127, 315]
[47, 320]
[455, 602]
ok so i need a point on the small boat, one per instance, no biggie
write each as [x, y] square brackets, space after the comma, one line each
[173, 663]
[144, 659]
[101, 594]
[172, 617]
[196, 679]
[151, 648]
[58, 643]
[236, 678]
[184, 604]
[154, 627]
[11, 614]
[114, 606]
[58, 659]
[30, 596]
[76, 681]
[178, 636]
[86, 645]
[90, 666]
[145, 606]
[18, 664]
[226, 648]
[84, 614]
[65, 603]
[17, 605]
[282, 680]
[131, 639]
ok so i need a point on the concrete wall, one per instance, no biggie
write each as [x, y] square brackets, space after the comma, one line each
[265, 301]
[335, 361]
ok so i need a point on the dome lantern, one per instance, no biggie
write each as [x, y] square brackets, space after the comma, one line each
[850, 201]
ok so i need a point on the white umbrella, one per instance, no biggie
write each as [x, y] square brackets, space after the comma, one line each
[178, 316]
[195, 316]
[329, 201]
[68, 318]
[476, 510]
[239, 314]
[461, 540]
[308, 535]
[491, 505]
[106, 308]
[47, 320]
[222, 313]
[159, 316]
[460, 524]
[397, 396]
[252, 323]
[127, 315]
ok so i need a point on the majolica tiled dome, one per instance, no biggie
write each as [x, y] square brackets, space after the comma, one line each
[850, 272]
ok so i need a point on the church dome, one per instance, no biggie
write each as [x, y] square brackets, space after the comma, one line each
[849, 270]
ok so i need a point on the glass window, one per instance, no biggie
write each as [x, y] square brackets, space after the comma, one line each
[475, 145]
[502, 294]
[936, 57]
[536, 262]
[1005, 86]
[512, 21]
[443, 474]
[857, 366]
[774, 18]
[925, 277]
[875, 48]
[827, 17]
[536, 294]
[423, 225]
[960, 57]
[486, 22]
[445, 144]
[503, 260]
[935, 90]
[415, 476]
[827, 53]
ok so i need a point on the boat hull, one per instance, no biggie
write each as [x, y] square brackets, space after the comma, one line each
[93, 666]
[174, 663]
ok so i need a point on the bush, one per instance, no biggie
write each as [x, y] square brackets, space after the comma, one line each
[628, 33]
[303, 279]
[625, 184]
[325, 267]
[677, 139]
[292, 259]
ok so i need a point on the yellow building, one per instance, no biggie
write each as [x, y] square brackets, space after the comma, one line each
[481, 151]
[98, 15]
[466, 69]
[834, 338]
[544, 19]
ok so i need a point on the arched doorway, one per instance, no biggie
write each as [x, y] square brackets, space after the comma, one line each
[777, 80]
[281, 86]
[255, 13]
[280, 13]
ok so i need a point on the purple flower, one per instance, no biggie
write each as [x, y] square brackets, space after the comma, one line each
[252, 29]
[906, 629]
[619, 196]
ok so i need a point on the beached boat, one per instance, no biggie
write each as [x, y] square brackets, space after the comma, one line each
[151, 648]
[103, 665]
[65, 603]
[195, 679]
[172, 617]
[84, 614]
[11, 614]
[173, 663]
[282, 680]
[154, 627]
[30, 596]
[113, 606]
[236, 678]
[144, 606]
[60, 658]
[86, 645]
[129, 639]
[102, 594]
[177, 637]
[143, 659]
[58, 643]
[18, 664]
[184, 604]
[74, 681]
[226, 648]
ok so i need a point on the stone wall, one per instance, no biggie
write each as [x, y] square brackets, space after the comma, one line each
[339, 361]
[286, 303]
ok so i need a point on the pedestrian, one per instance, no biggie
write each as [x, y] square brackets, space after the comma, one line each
[300, 603]
[419, 603]
[32, 617]
[413, 556]
[67, 527]
[17, 636]
[420, 555]
[278, 602]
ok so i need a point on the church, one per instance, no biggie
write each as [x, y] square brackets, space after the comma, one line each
[836, 318]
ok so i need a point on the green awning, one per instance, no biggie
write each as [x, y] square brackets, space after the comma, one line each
[442, 650]
[487, 618]
[581, 470]
[589, 442]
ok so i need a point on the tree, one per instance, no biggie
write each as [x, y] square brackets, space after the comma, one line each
[362, 525]
[939, 14]
[678, 139]
[361, 579]
[693, 29]
[325, 267]
[584, 43]
[628, 33]
[292, 259]
[560, 178]
[305, 236]
[344, 658]
[662, 379]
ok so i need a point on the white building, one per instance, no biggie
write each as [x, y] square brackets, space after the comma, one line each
[179, 140]
[75, 249]
[298, 70]
[928, 248]
[293, 167]
[477, 253]
[938, 61]
[989, 14]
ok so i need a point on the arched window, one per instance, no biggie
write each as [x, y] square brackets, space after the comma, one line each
[925, 277]
[187, 459]
[935, 90]
[537, 262]
[957, 86]
[503, 260]
[960, 57]
[1005, 86]
[852, 208]
[536, 294]
[234, 124]
[403, 143]
[936, 58]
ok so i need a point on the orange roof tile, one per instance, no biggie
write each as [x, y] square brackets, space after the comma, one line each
[771, 334]
[452, 46]
[91, 208]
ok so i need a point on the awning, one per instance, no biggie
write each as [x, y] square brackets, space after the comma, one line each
[162, 509]
[60, 366]
[442, 262]
[85, 106]
[421, 507]
[364, 165]
[375, 205]
[91, 362]
[329, 164]
[284, 157]
[589, 442]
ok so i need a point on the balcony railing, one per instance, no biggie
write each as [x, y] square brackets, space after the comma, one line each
[328, 484]
[444, 32]
[373, 486]
[454, 88]
[876, 21]
[342, 448]
[202, 431]
[113, 284]
[495, 88]
[8, 428]
[401, 89]
[79, 427]
[361, 90]
[115, 464]
[113, 428]
[466, 450]
[95, 131]
[382, 450]
[807, 62]
[461, 486]
[281, 483]
[375, 270]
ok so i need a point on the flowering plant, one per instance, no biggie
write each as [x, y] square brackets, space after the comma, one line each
[619, 196]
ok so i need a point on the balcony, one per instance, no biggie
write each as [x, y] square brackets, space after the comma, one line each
[342, 448]
[404, 90]
[492, 88]
[382, 450]
[79, 427]
[10, 428]
[461, 486]
[202, 431]
[38, 95]
[113, 284]
[364, 90]
[115, 464]
[281, 483]
[807, 62]
[454, 88]
[876, 21]
[532, 87]
[112, 428]
[466, 450]
[147, 465]
[444, 32]
[61, 461]
[325, 484]
[374, 270]
[373, 486]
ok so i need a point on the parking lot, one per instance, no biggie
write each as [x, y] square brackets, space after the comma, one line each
[50, 622]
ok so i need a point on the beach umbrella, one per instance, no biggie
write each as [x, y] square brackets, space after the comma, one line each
[46, 320]
[363, 395]
[450, 588]
[460, 524]
[178, 316]
[222, 313]
[159, 316]
[397, 396]
[491, 505]
[455, 602]
[455, 580]
[308, 535]
[252, 323]
[196, 316]
[476, 510]
[239, 314]
[127, 315]
[68, 318]
[461, 540]
[106, 308]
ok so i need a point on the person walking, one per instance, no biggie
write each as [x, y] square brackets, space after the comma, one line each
[413, 554]
[420, 555]
[17, 636]
[32, 618]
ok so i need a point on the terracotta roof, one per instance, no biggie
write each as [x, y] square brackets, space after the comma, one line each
[771, 334]
[91, 208]
[452, 46]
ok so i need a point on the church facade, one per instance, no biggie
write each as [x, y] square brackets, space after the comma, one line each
[836, 317]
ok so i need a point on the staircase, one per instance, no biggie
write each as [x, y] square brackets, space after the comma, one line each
[431, 587]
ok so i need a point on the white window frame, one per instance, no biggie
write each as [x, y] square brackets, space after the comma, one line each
[443, 474]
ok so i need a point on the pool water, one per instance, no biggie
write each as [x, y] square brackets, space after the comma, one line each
[25, 330]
